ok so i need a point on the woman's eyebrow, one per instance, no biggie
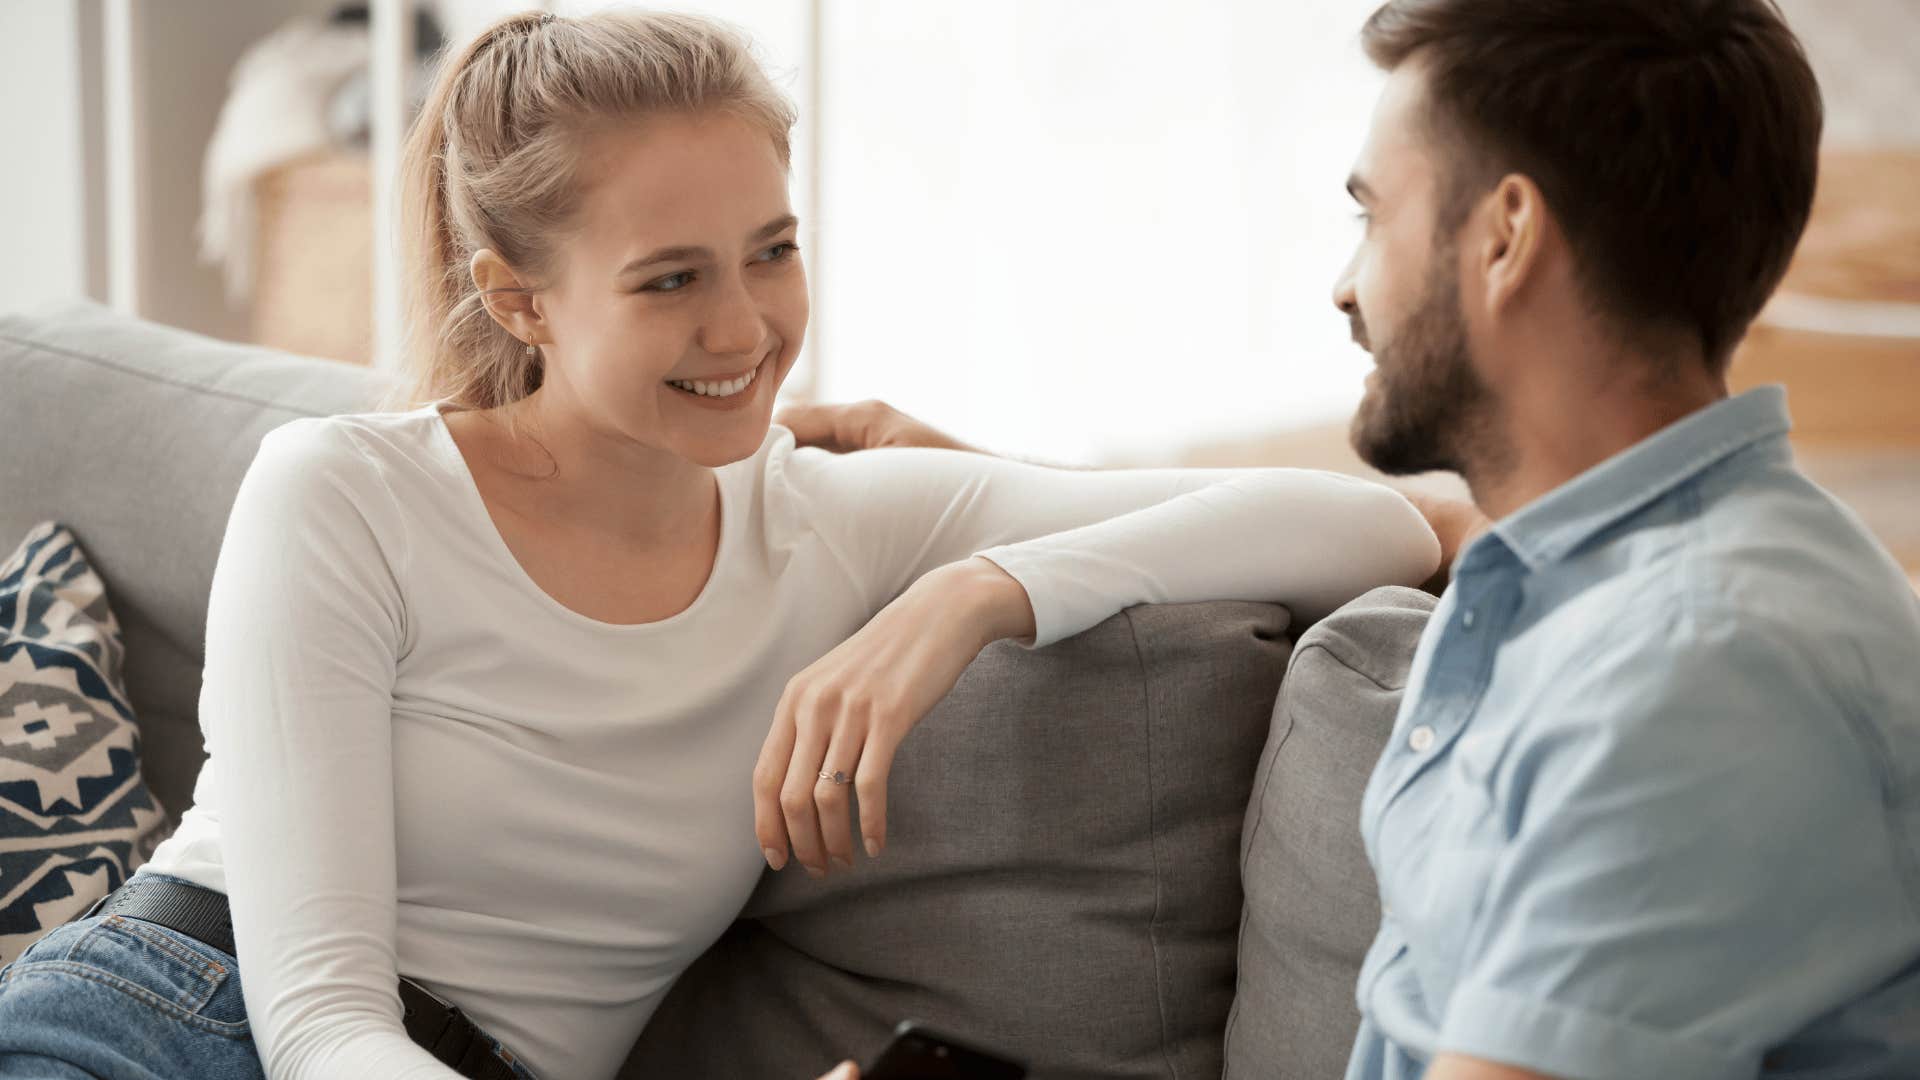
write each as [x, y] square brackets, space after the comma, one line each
[694, 254]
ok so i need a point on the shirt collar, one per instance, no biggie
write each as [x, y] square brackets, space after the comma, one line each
[1550, 527]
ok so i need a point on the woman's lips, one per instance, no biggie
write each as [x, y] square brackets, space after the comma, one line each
[732, 401]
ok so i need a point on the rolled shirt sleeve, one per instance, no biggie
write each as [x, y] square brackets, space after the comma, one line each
[1686, 876]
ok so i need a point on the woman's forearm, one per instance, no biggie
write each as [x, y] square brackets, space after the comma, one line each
[1308, 540]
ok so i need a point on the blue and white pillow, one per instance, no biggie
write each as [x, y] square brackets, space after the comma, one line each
[75, 816]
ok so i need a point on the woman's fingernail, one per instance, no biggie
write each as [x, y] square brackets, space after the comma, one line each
[774, 858]
[815, 872]
[843, 862]
[873, 848]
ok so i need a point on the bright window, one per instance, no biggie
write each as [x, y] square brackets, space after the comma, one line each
[1077, 229]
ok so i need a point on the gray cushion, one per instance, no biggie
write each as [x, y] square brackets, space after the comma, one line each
[1312, 905]
[1060, 880]
[136, 435]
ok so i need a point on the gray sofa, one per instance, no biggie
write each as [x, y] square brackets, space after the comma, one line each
[1134, 854]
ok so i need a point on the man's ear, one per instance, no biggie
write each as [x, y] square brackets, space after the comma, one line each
[1510, 251]
[507, 298]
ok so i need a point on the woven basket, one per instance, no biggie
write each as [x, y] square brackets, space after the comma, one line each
[314, 257]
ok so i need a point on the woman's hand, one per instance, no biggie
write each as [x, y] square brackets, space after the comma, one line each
[863, 425]
[846, 714]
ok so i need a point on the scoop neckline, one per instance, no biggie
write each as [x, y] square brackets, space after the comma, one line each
[483, 517]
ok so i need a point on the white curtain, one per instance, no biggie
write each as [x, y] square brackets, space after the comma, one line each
[1081, 229]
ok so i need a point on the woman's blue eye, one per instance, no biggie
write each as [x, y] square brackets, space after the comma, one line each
[679, 281]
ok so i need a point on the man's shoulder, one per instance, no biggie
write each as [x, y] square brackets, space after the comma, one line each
[1772, 542]
[1762, 613]
[1762, 560]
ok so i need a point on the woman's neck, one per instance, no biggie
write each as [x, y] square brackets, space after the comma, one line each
[565, 464]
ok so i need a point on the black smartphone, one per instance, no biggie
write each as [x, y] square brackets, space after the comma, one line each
[918, 1052]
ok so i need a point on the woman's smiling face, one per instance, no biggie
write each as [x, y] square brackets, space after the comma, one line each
[680, 273]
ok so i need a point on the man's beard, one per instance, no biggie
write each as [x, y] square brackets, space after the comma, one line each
[1427, 403]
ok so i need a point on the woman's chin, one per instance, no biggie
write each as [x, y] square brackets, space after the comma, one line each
[718, 448]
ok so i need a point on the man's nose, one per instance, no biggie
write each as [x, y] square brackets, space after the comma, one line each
[1343, 294]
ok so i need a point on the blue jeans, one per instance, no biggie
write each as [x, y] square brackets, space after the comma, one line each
[114, 998]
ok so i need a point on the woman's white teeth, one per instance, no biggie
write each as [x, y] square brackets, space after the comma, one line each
[715, 389]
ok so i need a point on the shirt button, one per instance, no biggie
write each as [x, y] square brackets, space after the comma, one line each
[1468, 618]
[1420, 739]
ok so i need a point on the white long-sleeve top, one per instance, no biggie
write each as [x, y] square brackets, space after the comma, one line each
[421, 763]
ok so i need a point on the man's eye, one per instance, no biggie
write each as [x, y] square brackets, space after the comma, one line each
[782, 250]
[670, 283]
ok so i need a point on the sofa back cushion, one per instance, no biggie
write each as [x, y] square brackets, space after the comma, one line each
[1312, 904]
[1061, 877]
[136, 435]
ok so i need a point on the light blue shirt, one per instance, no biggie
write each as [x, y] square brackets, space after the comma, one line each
[1651, 806]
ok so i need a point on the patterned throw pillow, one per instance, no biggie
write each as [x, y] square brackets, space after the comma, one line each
[75, 816]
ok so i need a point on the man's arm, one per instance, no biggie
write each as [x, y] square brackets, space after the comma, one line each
[1687, 811]
[863, 425]
[1461, 1067]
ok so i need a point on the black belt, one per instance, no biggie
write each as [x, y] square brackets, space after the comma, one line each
[435, 1024]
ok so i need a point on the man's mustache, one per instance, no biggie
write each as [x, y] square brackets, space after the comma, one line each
[1358, 329]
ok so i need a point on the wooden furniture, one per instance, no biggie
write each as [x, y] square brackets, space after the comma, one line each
[313, 261]
[1843, 334]
[1843, 331]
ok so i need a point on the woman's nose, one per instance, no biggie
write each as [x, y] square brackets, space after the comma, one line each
[734, 325]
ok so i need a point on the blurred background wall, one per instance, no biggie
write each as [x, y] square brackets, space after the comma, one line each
[54, 198]
[54, 191]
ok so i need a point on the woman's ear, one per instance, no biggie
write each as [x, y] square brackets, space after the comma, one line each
[1510, 253]
[506, 297]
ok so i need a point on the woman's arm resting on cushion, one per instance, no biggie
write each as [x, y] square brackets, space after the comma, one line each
[1308, 540]
[872, 425]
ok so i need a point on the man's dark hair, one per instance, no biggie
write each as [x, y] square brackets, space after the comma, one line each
[1676, 141]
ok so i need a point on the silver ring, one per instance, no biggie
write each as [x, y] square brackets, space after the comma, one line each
[836, 777]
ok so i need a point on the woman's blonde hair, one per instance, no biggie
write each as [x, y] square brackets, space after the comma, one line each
[491, 162]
